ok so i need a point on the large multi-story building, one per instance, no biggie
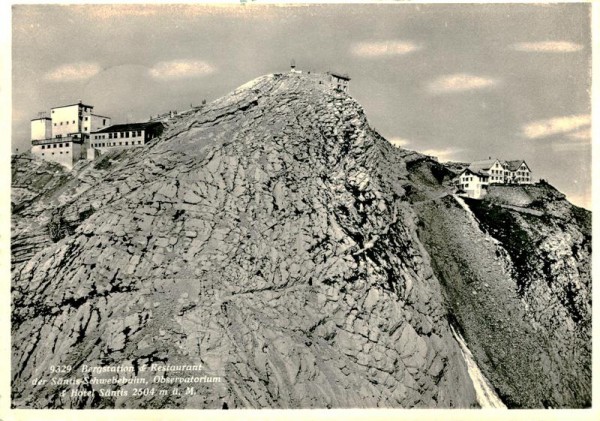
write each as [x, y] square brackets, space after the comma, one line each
[64, 136]
[475, 179]
[74, 132]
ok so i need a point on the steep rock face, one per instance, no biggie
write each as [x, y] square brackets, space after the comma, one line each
[515, 270]
[268, 237]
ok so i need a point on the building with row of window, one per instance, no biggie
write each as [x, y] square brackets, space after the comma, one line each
[339, 81]
[475, 179]
[63, 137]
[74, 132]
[123, 136]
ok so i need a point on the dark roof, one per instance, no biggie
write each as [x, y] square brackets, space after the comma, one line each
[482, 165]
[340, 76]
[129, 127]
[41, 118]
[474, 172]
[70, 105]
[515, 165]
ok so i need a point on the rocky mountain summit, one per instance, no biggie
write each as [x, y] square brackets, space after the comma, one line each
[277, 241]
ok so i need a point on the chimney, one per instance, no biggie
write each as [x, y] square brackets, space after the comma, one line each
[293, 64]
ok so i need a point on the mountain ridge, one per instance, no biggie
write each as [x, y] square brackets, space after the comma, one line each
[272, 235]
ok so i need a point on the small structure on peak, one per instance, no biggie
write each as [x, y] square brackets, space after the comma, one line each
[293, 67]
[340, 81]
[475, 179]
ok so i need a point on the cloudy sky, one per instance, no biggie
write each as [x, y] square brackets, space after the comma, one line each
[462, 82]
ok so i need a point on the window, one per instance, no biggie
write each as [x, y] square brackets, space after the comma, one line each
[43, 154]
[43, 147]
[120, 143]
[54, 123]
[61, 123]
[122, 134]
[103, 121]
[67, 152]
[61, 152]
[126, 134]
[73, 121]
[139, 142]
[139, 132]
[126, 143]
[86, 118]
[52, 153]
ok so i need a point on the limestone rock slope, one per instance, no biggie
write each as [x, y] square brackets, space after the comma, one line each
[516, 275]
[271, 237]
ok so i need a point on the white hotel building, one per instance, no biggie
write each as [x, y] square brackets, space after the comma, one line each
[74, 132]
[64, 136]
[476, 179]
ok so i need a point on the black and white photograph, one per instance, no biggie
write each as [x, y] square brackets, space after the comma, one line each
[299, 206]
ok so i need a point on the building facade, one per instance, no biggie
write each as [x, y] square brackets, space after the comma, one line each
[492, 167]
[517, 172]
[124, 136]
[474, 183]
[41, 128]
[74, 132]
[66, 152]
[94, 122]
[475, 179]
[340, 81]
[64, 136]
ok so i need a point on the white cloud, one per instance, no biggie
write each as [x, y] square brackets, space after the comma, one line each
[555, 125]
[584, 134]
[547, 47]
[459, 82]
[398, 141]
[181, 69]
[443, 155]
[383, 48]
[73, 71]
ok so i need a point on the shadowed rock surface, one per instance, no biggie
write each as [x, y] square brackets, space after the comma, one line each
[276, 239]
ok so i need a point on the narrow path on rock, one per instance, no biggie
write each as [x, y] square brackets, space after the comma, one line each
[486, 396]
